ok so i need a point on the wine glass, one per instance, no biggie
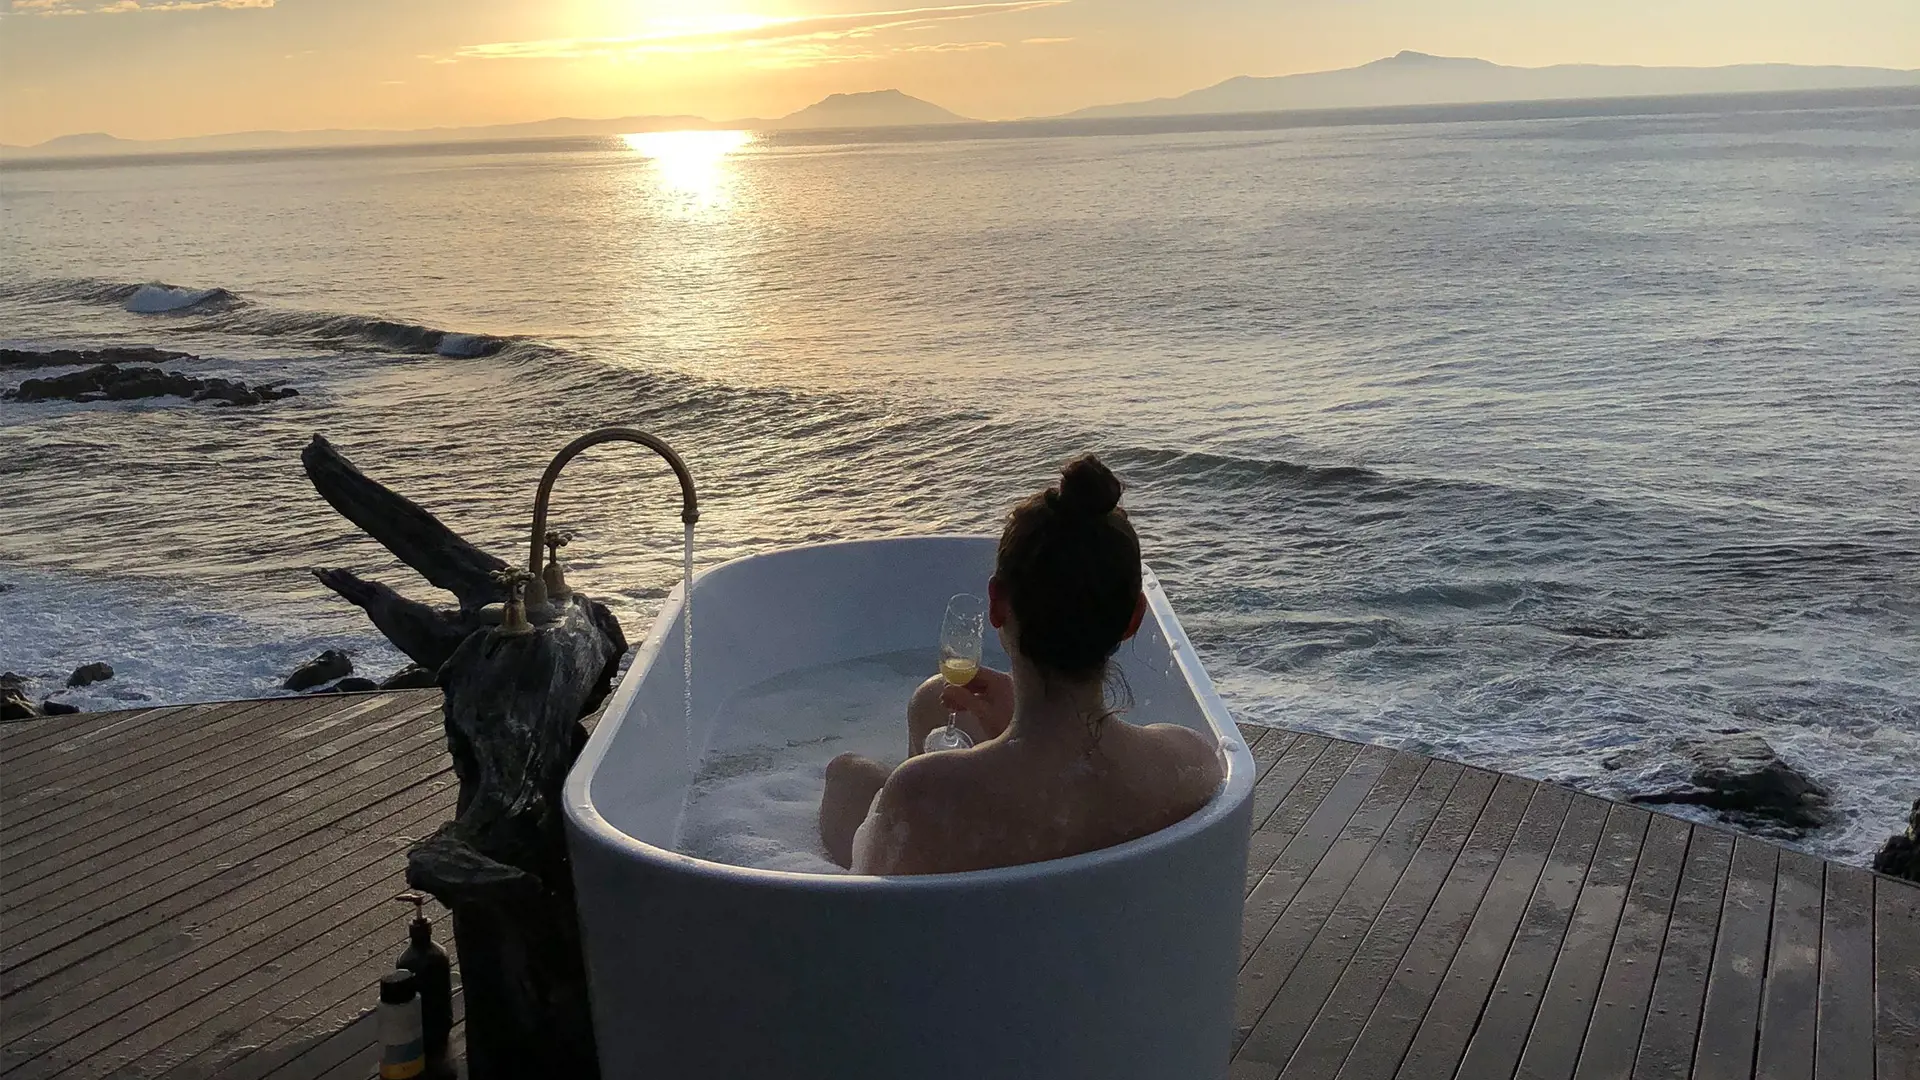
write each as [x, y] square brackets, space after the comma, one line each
[960, 634]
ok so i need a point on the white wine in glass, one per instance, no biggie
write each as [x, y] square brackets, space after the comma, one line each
[960, 640]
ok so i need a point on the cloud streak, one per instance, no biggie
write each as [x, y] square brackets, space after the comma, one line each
[127, 7]
[794, 41]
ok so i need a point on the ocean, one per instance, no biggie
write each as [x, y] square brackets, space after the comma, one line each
[1520, 440]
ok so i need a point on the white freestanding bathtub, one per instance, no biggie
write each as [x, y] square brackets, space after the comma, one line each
[1117, 965]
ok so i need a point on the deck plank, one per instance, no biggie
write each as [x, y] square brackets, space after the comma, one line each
[296, 788]
[1672, 1024]
[1493, 972]
[220, 794]
[1896, 992]
[1460, 850]
[1843, 1040]
[1310, 818]
[1369, 931]
[156, 754]
[1731, 1014]
[255, 914]
[1580, 895]
[147, 917]
[1790, 997]
[1323, 944]
[31, 748]
[185, 863]
[1277, 811]
[1613, 1034]
[1479, 903]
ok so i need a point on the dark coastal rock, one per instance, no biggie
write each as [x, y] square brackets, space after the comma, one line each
[38, 358]
[353, 685]
[1901, 856]
[58, 708]
[111, 382]
[14, 703]
[1741, 776]
[411, 677]
[88, 674]
[325, 668]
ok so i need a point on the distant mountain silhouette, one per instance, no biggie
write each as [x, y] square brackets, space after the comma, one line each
[877, 108]
[1413, 78]
[1410, 78]
[91, 142]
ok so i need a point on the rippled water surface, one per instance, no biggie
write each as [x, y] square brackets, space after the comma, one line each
[1516, 441]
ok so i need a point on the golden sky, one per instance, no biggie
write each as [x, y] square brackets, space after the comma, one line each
[165, 68]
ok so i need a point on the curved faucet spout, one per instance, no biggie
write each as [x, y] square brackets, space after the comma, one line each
[537, 590]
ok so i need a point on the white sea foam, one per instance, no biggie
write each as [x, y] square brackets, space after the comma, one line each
[756, 799]
[466, 346]
[155, 299]
[164, 647]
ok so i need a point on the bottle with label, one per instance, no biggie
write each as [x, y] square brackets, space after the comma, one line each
[403, 1052]
[433, 973]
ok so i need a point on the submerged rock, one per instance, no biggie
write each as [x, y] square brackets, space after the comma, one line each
[88, 674]
[111, 382]
[325, 668]
[14, 703]
[1742, 776]
[1901, 856]
[117, 354]
[411, 677]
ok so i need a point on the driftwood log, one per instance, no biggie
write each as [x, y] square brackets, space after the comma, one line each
[513, 710]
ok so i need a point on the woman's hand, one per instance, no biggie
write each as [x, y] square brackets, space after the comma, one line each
[985, 705]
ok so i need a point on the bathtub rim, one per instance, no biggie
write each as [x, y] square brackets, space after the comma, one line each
[1236, 785]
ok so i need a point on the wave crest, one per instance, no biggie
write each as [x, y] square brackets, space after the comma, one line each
[1221, 468]
[222, 309]
[156, 298]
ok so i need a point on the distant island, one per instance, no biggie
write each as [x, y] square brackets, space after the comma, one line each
[877, 108]
[1414, 78]
[880, 108]
[1406, 79]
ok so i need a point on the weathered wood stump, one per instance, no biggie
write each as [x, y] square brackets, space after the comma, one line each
[513, 709]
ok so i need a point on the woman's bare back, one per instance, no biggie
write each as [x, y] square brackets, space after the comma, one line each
[1013, 800]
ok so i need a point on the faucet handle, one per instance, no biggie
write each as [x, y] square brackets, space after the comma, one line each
[514, 619]
[554, 574]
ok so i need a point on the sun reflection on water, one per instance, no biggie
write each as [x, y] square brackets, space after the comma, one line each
[691, 164]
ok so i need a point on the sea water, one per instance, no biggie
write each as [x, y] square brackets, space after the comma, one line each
[755, 800]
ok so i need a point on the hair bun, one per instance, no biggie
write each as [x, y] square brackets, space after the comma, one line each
[1088, 488]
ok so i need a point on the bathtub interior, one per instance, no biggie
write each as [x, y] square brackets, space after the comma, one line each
[757, 618]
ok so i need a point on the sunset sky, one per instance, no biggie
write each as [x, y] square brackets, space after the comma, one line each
[164, 68]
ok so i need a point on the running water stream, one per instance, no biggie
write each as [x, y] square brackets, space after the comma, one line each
[686, 633]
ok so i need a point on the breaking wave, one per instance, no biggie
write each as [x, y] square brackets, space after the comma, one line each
[157, 298]
[222, 310]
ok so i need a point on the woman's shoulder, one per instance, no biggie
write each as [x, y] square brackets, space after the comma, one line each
[1191, 758]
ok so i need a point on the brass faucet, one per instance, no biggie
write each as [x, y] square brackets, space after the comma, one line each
[544, 588]
[513, 619]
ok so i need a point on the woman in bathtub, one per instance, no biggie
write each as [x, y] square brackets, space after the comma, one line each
[1052, 771]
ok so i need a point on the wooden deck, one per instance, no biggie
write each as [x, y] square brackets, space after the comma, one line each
[204, 891]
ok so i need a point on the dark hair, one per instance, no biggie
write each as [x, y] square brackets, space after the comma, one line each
[1070, 567]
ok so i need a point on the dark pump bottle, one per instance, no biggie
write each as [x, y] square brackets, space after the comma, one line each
[434, 974]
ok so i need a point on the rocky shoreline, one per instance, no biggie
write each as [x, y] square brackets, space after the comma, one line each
[331, 672]
[105, 379]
